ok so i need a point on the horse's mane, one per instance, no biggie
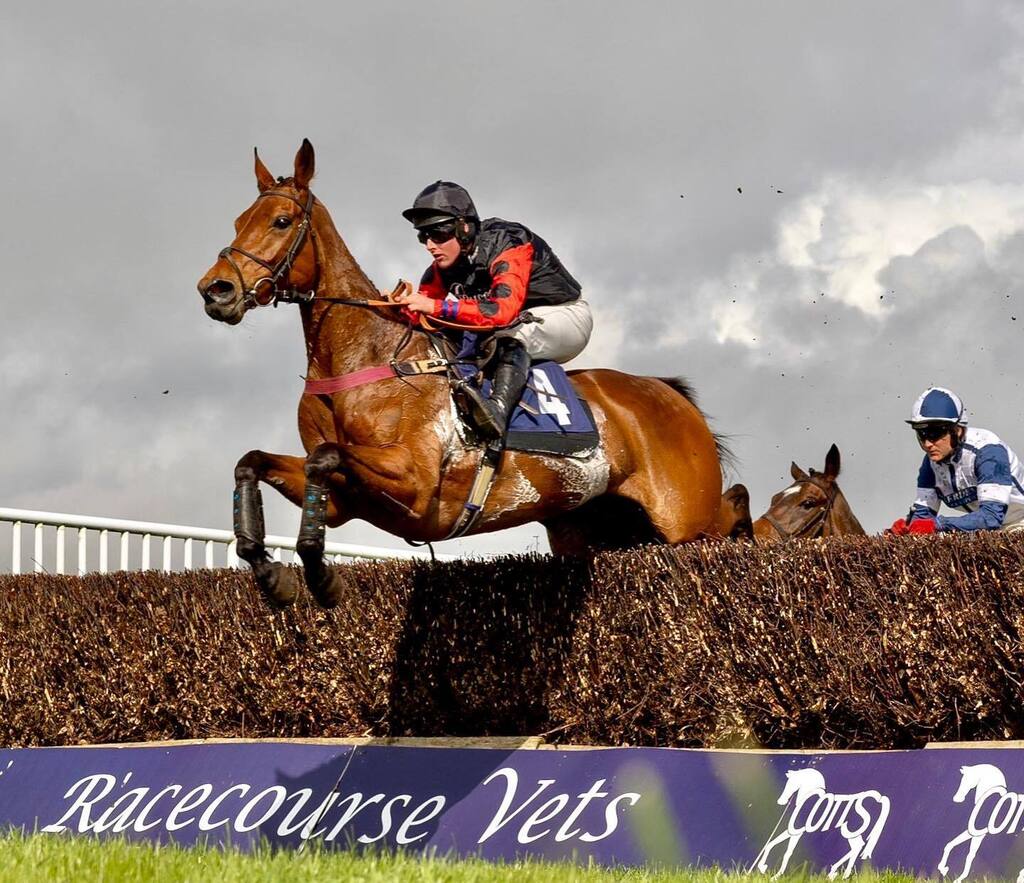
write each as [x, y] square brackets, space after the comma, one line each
[726, 457]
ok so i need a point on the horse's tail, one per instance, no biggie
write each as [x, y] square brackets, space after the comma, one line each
[726, 458]
[876, 831]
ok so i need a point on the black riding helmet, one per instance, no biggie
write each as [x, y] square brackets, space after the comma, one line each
[440, 202]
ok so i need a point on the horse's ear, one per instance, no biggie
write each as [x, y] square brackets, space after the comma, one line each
[797, 473]
[264, 180]
[305, 165]
[832, 463]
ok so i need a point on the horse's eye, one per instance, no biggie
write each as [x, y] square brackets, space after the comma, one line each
[808, 504]
[282, 221]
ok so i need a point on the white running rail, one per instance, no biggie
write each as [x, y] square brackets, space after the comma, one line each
[200, 547]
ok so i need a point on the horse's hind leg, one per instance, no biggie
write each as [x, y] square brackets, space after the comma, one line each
[856, 844]
[279, 584]
[734, 521]
[604, 523]
[325, 585]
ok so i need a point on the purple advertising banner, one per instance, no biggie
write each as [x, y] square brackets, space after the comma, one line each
[952, 811]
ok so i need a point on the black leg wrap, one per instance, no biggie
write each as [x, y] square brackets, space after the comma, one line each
[314, 520]
[250, 530]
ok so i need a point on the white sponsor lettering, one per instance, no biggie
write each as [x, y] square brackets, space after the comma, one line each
[100, 803]
[566, 832]
[84, 802]
[420, 816]
[119, 816]
[995, 811]
[140, 823]
[545, 812]
[193, 800]
[305, 826]
[244, 823]
[548, 399]
[551, 808]
[356, 805]
[206, 822]
[385, 818]
[611, 816]
[812, 809]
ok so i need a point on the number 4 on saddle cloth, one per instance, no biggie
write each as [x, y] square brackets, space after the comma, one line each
[550, 418]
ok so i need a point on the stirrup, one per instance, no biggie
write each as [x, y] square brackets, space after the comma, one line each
[486, 414]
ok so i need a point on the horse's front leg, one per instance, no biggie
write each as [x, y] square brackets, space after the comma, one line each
[387, 473]
[279, 584]
[326, 586]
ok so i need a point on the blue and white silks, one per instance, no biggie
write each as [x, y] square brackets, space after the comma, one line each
[984, 478]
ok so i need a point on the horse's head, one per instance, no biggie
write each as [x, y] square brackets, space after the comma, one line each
[981, 776]
[800, 782]
[806, 508]
[273, 254]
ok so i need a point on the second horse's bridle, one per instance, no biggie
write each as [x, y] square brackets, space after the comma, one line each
[818, 519]
[252, 296]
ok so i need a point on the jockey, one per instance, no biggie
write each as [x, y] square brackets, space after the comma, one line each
[487, 274]
[965, 468]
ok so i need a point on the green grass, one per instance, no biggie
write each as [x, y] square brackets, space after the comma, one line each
[38, 858]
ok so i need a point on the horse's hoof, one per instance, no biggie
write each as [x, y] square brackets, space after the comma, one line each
[329, 592]
[279, 585]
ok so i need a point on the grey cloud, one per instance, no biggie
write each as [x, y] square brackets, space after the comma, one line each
[128, 153]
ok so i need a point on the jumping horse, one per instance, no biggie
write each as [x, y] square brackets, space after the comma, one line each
[813, 506]
[388, 445]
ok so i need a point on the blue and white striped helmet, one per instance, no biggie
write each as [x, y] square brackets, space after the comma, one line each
[938, 405]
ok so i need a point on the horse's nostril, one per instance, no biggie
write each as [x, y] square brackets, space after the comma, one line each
[219, 291]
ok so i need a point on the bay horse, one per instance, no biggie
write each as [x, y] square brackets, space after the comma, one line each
[394, 453]
[734, 521]
[813, 506]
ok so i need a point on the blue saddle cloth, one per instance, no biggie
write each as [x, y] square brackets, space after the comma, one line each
[550, 418]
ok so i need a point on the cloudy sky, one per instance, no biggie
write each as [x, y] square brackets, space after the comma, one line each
[811, 211]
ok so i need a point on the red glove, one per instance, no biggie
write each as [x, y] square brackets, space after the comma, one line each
[923, 525]
[899, 527]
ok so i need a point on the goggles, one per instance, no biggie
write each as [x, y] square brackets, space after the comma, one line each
[932, 432]
[439, 235]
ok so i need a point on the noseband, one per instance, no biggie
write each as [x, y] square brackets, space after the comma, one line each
[251, 296]
[814, 526]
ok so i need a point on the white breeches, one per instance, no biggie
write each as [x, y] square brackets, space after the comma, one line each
[561, 336]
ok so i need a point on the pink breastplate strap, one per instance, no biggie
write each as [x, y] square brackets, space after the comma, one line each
[347, 381]
[327, 385]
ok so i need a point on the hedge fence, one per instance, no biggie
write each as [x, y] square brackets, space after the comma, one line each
[852, 643]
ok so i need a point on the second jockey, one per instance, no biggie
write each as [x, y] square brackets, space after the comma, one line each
[964, 467]
[486, 274]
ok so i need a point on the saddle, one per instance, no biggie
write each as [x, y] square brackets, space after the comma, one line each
[551, 418]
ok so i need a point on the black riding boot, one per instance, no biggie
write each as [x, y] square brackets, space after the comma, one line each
[491, 415]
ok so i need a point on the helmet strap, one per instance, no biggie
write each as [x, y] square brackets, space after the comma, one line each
[955, 441]
[956, 437]
[464, 231]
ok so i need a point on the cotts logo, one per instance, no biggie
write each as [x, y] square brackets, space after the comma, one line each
[995, 811]
[810, 808]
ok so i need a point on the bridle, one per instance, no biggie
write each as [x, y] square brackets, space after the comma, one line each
[817, 520]
[252, 296]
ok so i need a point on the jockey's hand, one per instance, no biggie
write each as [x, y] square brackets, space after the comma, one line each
[899, 527]
[416, 302]
[923, 525]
